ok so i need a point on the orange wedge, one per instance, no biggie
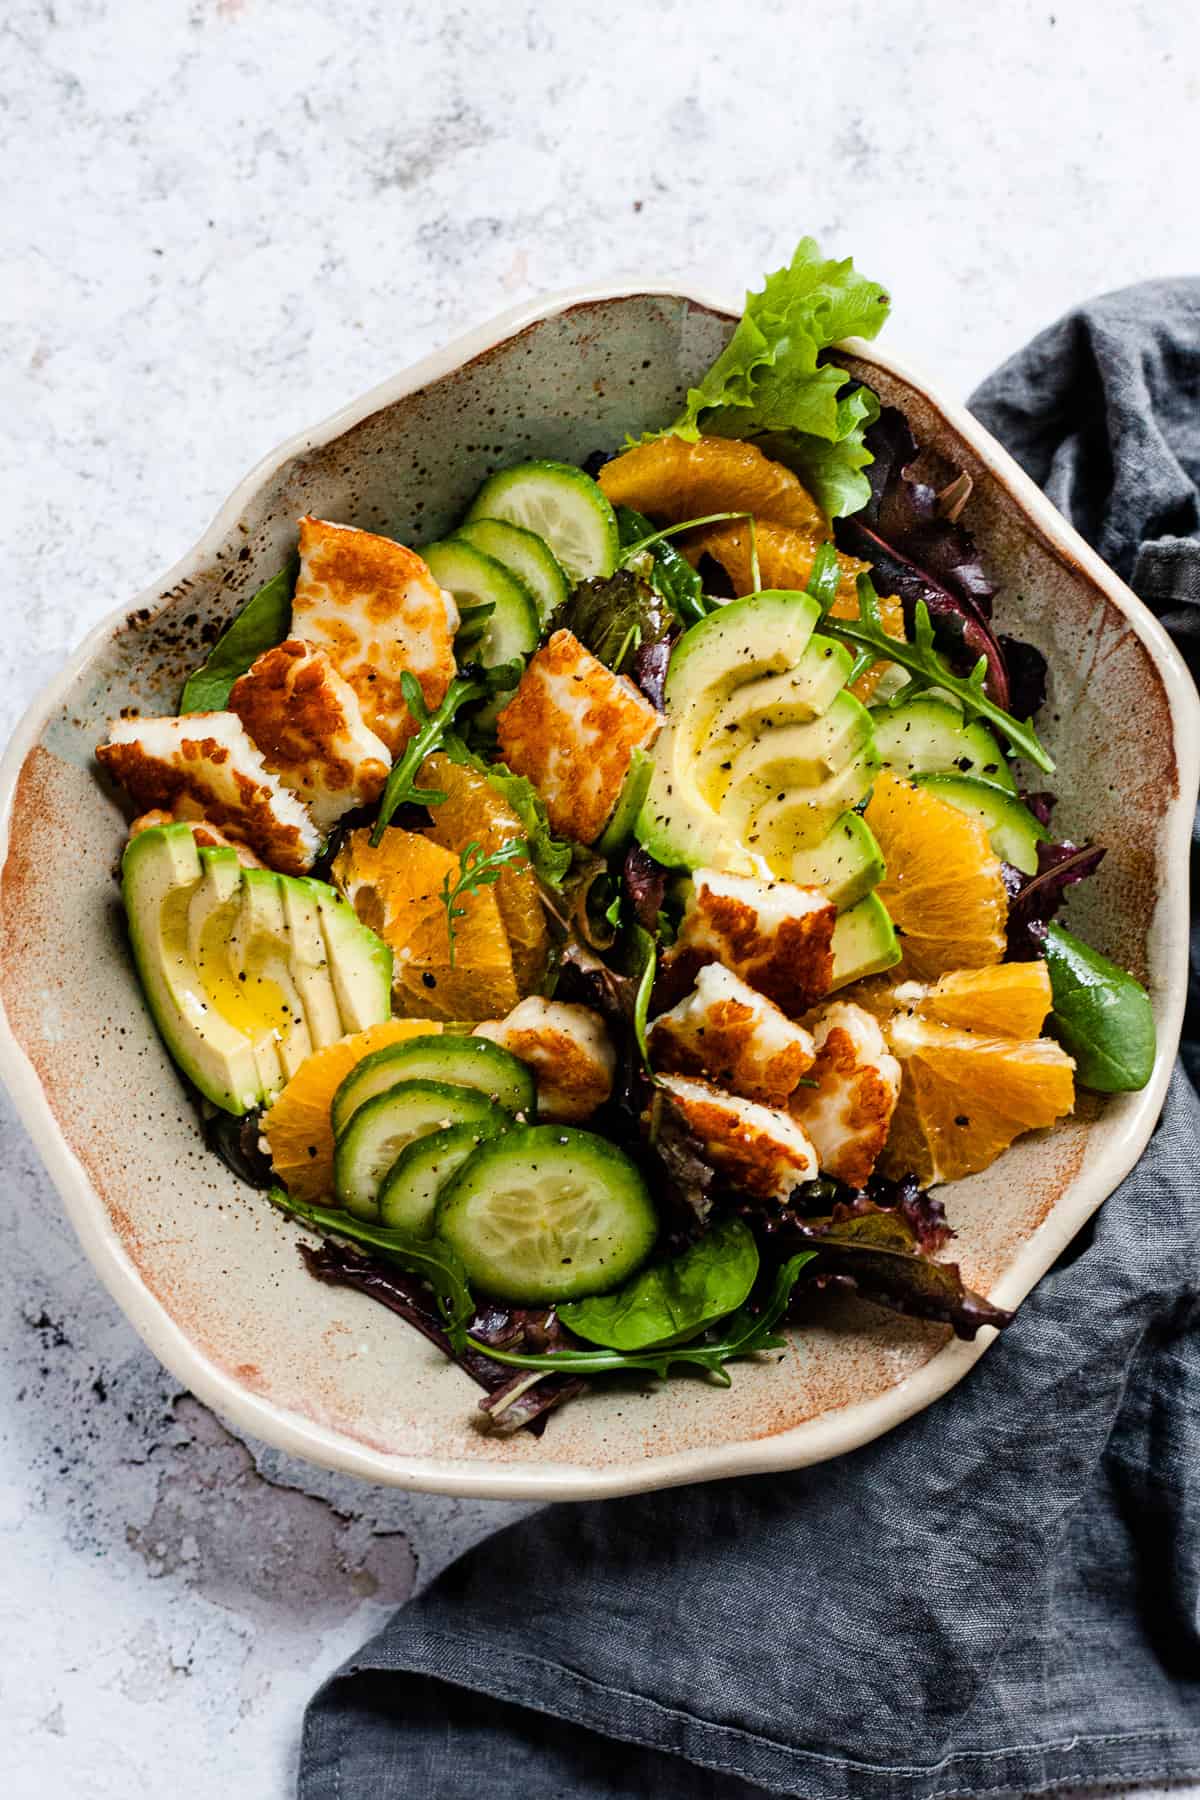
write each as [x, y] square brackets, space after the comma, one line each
[964, 1097]
[397, 891]
[943, 888]
[1008, 1000]
[473, 812]
[297, 1127]
[670, 480]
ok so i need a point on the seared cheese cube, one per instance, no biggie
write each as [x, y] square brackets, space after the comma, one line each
[308, 724]
[849, 1112]
[568, 1050]
[376, 608]
[571, 728]
[734, 1037]
[206, 835]
[759, 1150]
[206, 765]
[778, 937]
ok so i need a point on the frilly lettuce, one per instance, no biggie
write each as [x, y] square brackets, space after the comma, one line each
[770, 380]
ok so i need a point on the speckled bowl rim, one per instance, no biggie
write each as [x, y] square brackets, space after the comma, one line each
[816, 1439]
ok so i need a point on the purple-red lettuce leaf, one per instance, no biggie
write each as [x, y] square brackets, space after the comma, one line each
[1026, 676]
[1035, 899]
[645, 882]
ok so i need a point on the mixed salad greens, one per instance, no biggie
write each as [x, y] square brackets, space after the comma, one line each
[604, 927]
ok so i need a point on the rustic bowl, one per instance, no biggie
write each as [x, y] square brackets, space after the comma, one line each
[209, 1274]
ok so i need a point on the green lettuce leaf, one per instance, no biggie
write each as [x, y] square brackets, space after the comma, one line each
[550, 855]
[770, 377]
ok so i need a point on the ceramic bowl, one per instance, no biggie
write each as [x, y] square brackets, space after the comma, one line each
[210, 1275]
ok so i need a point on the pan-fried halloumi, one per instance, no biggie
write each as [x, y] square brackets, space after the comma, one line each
[208, 759]
[571, 728]
[849, 1112]
[568, 1050]
[778, 937]
[734, 1037]
[759, 1150]
[376, 608]
[206, 835]
[308, 724]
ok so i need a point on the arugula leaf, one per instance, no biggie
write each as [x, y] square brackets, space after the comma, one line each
[476, 871]
[744, 1333]
[435, 1262]
[770, 377]
[431, 730]
[928, 669]
[1102, 1016]
[262, 623]
[675, 1300]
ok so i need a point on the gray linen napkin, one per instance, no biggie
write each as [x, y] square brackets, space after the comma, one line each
[1002, 1594]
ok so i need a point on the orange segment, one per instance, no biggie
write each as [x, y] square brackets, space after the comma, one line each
[1008, 1000]
[397, 891]
[943, 888]
[297, 1127]
[473, 812]
[670, 479]
[965, 1097]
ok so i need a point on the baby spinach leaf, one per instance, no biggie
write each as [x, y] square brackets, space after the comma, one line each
[675, 1300]
[262, 623]
[743, 1333]
[1102, 1016]
[670, 572]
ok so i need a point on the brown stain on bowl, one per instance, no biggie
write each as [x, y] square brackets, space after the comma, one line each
[218, 1260]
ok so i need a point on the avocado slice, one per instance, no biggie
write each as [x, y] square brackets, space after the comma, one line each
[799, 816]
[258, 956]
[793, 757]
[159, 873]
[864, 942]
[763, 634]
[212, 913]
[676, 824]
[845, 865]
[308, 960]
[360, 963]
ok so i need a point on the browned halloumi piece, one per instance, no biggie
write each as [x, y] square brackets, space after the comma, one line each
[571, 728]
[778, 937]
[849, 1112]
[205, 763]
[376, 608]
[206, 835]
[568, 1050]
[733, 1036]
[759, 1150]
[308, 724]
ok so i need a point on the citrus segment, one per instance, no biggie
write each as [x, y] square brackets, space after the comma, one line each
[473, 812]
[297, 1127]
[1007, 1000]
[671, 479]
[944, 887]
[964, 1097]
[397, 890]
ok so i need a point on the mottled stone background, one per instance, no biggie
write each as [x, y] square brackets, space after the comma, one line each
[224, 218]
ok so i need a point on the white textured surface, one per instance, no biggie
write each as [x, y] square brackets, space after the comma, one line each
[225, 218]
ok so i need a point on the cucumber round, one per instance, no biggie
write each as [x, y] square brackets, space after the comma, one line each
[925, 736]
[528, 556]
[561, 505]
[470, 1062]
[381, 1128]
[409, 1191]
[476, 579]
[547, 1213]
[1014, 832]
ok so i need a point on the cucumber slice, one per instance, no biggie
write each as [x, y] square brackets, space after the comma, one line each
[467, 1062]
[381, 1128]
[528, 556]
[476, 579]
[1014, 832]
[559, 504]
[619, 830]
[547, 1213]
[409, 1191]
[928, 737]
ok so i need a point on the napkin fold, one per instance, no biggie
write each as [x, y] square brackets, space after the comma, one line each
[1003, 1593]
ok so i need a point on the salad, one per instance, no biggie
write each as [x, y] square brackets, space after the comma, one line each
[607, 927]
